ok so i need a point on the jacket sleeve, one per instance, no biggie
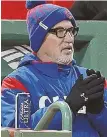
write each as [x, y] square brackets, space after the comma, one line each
[99, 121]
[10, 88]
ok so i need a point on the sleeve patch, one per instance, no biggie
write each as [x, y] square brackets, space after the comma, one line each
[12, 83]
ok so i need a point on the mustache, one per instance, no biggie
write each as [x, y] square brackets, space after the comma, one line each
[68, 46]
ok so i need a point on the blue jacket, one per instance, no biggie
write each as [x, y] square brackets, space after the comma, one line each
[48, 82]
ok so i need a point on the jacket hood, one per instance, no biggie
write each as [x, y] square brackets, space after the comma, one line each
[28, 58]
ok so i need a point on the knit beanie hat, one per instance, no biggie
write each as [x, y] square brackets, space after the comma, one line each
[42, 18]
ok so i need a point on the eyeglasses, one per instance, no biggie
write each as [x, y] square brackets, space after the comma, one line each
[61, 32]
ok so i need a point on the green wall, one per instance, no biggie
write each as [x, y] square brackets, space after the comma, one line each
[90, 44]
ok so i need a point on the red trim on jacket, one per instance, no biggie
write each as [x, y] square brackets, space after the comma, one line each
[105, 85]
[12, 83]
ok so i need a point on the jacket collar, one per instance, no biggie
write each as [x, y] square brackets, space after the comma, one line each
[47, 68]
[52, 69]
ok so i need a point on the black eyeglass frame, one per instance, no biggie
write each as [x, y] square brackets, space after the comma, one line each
[55, 31]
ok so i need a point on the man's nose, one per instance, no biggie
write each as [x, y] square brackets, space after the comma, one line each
[69, 37]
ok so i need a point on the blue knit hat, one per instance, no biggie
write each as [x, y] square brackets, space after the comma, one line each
[42, 18]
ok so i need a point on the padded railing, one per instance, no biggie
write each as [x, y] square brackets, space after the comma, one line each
[41, 128]
[52, 110]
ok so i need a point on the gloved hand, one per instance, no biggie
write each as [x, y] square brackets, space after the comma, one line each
[91, 71]
[95, 106]
[84, 90]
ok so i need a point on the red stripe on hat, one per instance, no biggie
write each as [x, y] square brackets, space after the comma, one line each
[105, 85]
[12, 83]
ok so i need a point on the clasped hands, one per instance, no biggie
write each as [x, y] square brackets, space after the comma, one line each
[88, 92]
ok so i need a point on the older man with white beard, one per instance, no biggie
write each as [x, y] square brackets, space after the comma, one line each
[50, 73]
[58, 44]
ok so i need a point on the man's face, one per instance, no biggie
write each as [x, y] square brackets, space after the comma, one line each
[58, 50]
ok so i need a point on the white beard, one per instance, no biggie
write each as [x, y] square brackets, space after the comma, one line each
[64, 59]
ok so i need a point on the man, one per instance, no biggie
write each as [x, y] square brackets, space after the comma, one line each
[50, 73]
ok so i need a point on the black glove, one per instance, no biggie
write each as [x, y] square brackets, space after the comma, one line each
[83, 91]
[91, 71]
[95, 106]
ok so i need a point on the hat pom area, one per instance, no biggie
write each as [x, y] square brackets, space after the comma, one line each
[33, 3]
